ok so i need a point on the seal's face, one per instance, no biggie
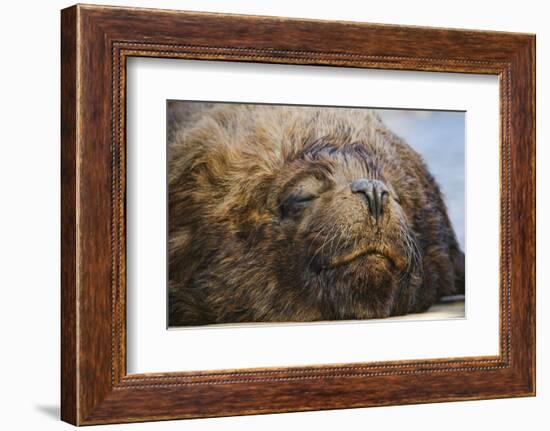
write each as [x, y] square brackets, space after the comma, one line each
[301, 214]
[346, 242]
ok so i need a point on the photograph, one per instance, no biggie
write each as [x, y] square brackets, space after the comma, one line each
[290, 213]
[275, 215]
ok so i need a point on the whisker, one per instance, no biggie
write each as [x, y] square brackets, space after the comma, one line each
[332, 232]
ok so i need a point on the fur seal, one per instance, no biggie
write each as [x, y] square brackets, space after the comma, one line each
[295, 214]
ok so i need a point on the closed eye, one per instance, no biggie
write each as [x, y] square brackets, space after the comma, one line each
[302, 198]
[295, 203]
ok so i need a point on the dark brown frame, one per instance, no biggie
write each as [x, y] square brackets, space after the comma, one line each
[95, 43]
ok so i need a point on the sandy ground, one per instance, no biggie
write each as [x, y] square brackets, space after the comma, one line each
[454, 308]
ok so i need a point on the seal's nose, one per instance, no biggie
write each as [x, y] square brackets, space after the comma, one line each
[375, 194]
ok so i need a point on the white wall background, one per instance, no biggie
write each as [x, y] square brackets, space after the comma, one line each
[29, 215]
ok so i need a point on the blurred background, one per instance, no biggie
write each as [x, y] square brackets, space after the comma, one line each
[439, 136]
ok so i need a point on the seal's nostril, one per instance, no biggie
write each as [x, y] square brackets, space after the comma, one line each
[375, 194]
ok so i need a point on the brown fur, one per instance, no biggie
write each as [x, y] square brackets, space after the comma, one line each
[244, 247]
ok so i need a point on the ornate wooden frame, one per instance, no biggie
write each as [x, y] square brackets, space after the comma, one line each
[95, 43]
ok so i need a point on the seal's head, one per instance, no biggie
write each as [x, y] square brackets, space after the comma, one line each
[298, 214]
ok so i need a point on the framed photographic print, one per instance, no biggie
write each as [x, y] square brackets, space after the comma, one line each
[264, 215]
